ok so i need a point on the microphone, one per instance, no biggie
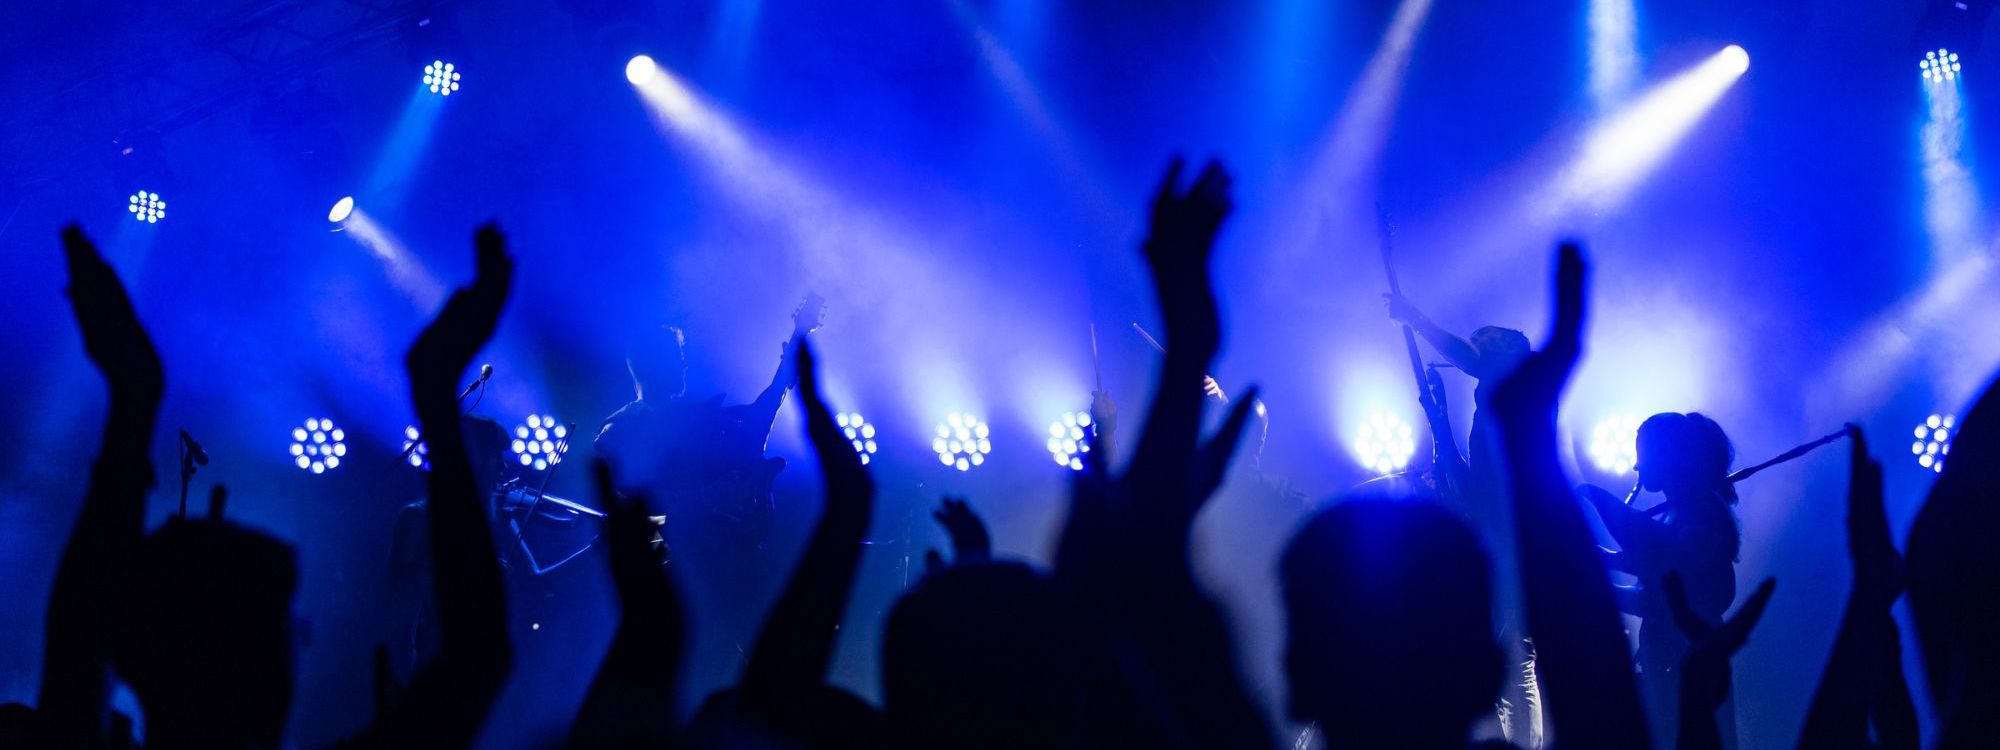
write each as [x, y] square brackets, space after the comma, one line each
[194, 450]
[485, 374]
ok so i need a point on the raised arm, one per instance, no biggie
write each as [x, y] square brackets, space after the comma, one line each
[1456, 350]
[449, 699]
[1864, 667]
[1589, 687]
[631, 702]
[1705, 671]
[75, 657]
[795, 646]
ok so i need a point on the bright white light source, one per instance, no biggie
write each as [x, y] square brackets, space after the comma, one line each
[441, 77]
[540, 442]
[1933, 441]
[146, 207]
[1614, 445]
[1625, 148]
[1384, 443]
[640, 70]
[415, 450]
[1939, 65]
[859, 432]
[1070, 437]
[319, 446]
[341, 210]
[962, 441]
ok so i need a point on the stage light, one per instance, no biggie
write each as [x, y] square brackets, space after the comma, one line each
[1614, 445]
[442, 77]
[1735, 60]
[540, 442]
[1939, 65]
[859, 432]
[415, 450]
[146, 207]
[962, 441]
[1384, 443]
[318, 446]
[1070, 437]
[341, 210]
[641, 69]
[1933, 441]
[1627, 146]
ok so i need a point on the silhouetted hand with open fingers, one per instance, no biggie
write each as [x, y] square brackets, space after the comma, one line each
[971, 544]
[1878, 567]
[1538, 382]
[112, 334]
[1705, 669]
[445, 349]
[846, 477]
[631, 701]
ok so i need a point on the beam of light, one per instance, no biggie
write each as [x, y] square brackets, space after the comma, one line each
[1347, 162]
[1614, 55]
[853, 251]
[407, 143]
[1951, 197]
[1877, 357]
[1027, 100]
[1624, 149]
[405, 272]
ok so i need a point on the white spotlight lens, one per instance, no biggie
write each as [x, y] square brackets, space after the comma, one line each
[641, 69]
[1736, 58]
[532, 445]
[1070, 436]
[1933, 441]
[311, 450]
[1384, 443]
[956, 445]
[341, 209]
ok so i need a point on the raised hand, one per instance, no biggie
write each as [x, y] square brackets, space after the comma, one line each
[971, 544]
[1536, 384]
[846, 477]
[112, 335]
[445, 349]
[1878, 567]
[1400, 309]
[1705, 668]
[631, 701]
[1185, 223]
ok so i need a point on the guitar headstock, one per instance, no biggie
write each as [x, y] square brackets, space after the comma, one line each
[810, 315]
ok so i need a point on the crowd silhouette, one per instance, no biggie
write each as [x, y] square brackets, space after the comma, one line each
[1393, 597]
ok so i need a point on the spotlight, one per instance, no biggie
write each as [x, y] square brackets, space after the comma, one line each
[540, 442]
[415, 450]
[1939, 65]
[1614, 445]
[341, 210]
[146, 207]
[318, 446]
[1933, 441]
[962, 441]
[441, 77]
[1735, 60]
[1070, 437]
[1384, 443]
[859, 432]
[641, 69]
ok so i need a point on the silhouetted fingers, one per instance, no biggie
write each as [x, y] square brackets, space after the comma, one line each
[1169, 183]
[1572, 286]
[933, 562]
[1736, 630]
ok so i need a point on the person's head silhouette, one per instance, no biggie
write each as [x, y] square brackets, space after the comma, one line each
[1685, 455]
[657, 359]
[205, 635]
[981, 656]
[1388, 607]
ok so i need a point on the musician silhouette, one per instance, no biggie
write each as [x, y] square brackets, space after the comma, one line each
[1693, 532]
[701, 464]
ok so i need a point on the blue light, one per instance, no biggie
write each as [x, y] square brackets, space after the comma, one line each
[442, 78]
[962, 442]
[641, 69]
[1071, 436]
[146, 207]
[1933, 441]
[341, 210]
[319, 446]
[540, 442]
[1939, 65]
[858, 432]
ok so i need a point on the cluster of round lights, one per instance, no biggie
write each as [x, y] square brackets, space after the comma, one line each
[1385, 443]
[318, 446]
[962, 442]
[415, 450]
[859, 432]
[146, 207]
[1939, 65]
[1614, 445]
[540, 442]
[1933, 441]
[441, 77]
[1070, 437]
